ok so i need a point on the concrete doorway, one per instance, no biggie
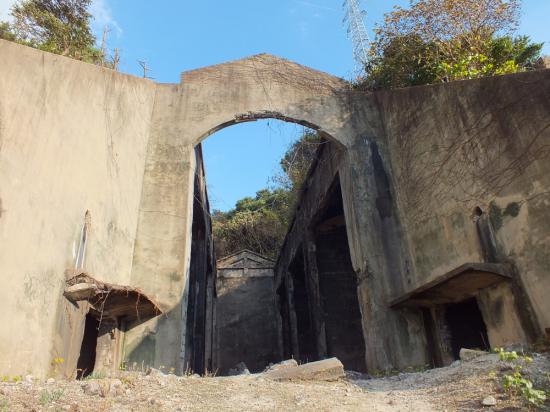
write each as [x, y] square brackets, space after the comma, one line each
[338, 284]
[86, 360]
[466, 326]
[306, 337]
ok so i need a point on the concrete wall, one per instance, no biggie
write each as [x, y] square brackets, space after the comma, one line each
[245, 326]
[418, 164]
[413, 165]
[73, 137]
[480, 143]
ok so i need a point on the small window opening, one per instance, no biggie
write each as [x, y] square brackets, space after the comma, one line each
[477, 213]
[466, 325]
[86, 360]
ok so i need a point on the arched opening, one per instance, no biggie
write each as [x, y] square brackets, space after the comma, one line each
[232, 295]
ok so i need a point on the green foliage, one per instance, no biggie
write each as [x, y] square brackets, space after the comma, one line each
[442, 40]
[297, 160]
[56, 26]
[517, 383]
[6, 32]
[47, 397]
[260, 223]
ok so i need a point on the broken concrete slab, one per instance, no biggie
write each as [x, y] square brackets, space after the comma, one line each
[110, 300]
[324, 370]
[290, 363]
[81, 291]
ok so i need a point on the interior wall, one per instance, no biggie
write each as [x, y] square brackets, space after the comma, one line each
[307, 350]
[246, 328]
[73, 137]
[338, 289]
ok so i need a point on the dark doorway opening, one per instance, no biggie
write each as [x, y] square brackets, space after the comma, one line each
[284, 313]
[198, 273]
[338, 285]
[466, 326]
[306, 340]
[86, 360]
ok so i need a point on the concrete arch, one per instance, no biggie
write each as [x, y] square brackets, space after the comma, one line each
[261, 87]
[205, 101]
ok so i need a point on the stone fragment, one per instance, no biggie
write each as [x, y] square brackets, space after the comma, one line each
[470, 354]
[324, 370]
[50, 381]
[289, 363]
[239, 369]
[91, 388]
[116, 388]
[489, 401]
[154, 372]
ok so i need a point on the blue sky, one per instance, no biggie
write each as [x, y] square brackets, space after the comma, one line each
[174, 36]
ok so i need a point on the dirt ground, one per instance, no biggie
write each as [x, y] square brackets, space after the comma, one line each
[460, 387]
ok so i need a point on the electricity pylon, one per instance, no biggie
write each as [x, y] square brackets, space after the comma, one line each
[353, 17]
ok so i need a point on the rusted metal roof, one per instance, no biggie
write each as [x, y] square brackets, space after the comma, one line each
[108, 300]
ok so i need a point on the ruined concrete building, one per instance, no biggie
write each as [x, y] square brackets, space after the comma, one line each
[423, 225]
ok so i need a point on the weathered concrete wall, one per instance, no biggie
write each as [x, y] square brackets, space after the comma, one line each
[480, 143]
[416, 168]
[73, 137]
[246, 317]
[205, 101]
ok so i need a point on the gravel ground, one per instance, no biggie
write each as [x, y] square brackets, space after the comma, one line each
[460, 387]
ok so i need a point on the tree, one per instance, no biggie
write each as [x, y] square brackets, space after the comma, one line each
[297, 160]
[444, 40]
[260, 223]
[56, 26]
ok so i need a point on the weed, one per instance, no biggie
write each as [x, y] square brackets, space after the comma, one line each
[517, 383]
[95, 375]
[14, 379]
[4, 405]
[47, 397]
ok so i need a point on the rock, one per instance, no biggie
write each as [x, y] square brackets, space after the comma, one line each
[29, 378]
[116, 388]
[239, 369]
[470, 354]
[91, 388]
[154, 372]
[489, 401]
[324, 370]
[50, 381]
[290, 363]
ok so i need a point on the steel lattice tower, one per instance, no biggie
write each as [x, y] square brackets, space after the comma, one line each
[353, 17]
